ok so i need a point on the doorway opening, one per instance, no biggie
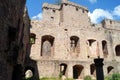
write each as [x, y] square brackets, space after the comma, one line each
[78, 72]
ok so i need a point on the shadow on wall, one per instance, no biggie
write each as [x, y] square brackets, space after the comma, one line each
[17, 72]
[30, 69]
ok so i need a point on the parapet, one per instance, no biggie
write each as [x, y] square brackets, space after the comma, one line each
[54, 6]
[111, 24]
[51, 6]
[75, 5]
[66, 12]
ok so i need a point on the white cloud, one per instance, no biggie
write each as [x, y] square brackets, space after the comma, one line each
[99, 13]
[38, 17]
[93, 1]
[117, 11]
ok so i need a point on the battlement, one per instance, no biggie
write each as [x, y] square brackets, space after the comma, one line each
[67, 12]
[111, 24]
[51, 6]
[75, 5]
[58, 7]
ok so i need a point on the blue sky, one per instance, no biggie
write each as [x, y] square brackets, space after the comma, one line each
[98, 9]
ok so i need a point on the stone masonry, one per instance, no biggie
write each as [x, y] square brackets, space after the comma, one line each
[14, 40]
[65, 42]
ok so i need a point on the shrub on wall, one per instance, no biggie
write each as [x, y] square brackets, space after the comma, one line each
[87, 78]
[115, 76]
[46, 78]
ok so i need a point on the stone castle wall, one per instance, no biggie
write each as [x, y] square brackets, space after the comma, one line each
[66, 38]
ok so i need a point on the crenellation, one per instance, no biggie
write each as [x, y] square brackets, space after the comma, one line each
[59, 13]
[51, 6]
[110, 24]
[76, 5]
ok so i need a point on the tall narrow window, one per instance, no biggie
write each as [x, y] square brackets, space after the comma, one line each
[32, 38]
[63, 69]
[75, 46]
[93, 70]
[104, 48]
[92, 47]
[117, 50]
[47, 45]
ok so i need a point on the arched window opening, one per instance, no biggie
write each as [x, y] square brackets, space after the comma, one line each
[32, 38]
[92, 46]
[83, 11]
[117, 50]
[78, 72]
[47, 46]
[104, 48]
[75, 46]
[110, 70]
[93, 70]
[29, 72]
[77, 8]
[63, 69]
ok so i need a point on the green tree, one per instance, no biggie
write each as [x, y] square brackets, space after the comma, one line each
[115, 76]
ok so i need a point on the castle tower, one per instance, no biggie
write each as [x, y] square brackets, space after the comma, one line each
[68, 13]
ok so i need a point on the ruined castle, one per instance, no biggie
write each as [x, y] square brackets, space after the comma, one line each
[66, 42]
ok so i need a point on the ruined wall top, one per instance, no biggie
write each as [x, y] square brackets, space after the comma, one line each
[66, 12]
[51, 6]
[76, 5]
[55, 6]
[111, 24]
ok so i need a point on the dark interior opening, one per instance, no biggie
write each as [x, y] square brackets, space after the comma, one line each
[63, 68]
[104, 48]
[93, 70]
[117, 50]
[78, 71]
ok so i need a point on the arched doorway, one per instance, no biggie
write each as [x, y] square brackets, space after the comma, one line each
[63, 68]
[29, 72]
[110, 69]
[78, 72]
[93, 70]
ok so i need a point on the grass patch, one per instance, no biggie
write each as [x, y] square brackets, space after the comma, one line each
[115, 76]
[87, 77]
[45, 78]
